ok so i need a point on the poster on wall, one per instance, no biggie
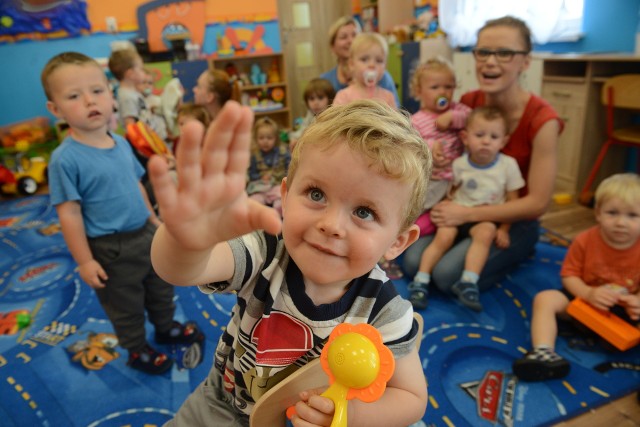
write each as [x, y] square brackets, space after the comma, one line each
[40, 19]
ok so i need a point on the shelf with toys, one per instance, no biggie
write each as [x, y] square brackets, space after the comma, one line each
[259, 82]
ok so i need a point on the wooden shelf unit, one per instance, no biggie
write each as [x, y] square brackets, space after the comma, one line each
[243, 92]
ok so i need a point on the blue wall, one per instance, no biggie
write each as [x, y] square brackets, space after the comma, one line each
[609, 27]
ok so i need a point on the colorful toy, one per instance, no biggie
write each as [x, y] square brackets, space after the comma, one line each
[358, 365]
[606, 324]
[21, 174]
[145, 139]
[96, 351]
[257, 76]
[14, 321]
[273, 76]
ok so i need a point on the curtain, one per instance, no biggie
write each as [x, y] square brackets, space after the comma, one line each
[549, 20]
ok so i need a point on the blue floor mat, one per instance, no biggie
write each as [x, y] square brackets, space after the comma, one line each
[466, 356]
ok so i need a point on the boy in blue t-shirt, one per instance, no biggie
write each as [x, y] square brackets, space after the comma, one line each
[105, 214]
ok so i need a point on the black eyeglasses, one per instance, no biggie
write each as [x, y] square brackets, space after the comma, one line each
[502, 55]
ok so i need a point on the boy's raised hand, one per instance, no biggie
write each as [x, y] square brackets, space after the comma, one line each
[209, 204]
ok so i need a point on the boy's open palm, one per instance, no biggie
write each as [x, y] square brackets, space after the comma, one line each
[209, 204]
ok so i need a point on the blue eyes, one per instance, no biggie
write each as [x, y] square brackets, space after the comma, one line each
[361, 212]
[316, 195]
[364, 213]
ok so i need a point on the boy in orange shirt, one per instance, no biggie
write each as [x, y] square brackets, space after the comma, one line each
[601, 267]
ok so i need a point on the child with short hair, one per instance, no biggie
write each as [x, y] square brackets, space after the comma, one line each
[368, 61]
[189, 111]
[355, 186]
[601, 267]
[153, 102]
[481, 176]
[269, 163]
[439, 122]
[127, 67]
[318, 96]
[106, 218]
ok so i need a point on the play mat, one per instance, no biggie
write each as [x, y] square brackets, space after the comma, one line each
[59, 365]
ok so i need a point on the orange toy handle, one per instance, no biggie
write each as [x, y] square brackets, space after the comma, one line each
[145, 139]
[358, 365]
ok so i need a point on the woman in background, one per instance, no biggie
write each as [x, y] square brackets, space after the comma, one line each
[341, 34]
[501, 54]
[212, 90]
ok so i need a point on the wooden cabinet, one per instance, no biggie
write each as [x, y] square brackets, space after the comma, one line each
[383, 15]
[261, 83]
[572, 85]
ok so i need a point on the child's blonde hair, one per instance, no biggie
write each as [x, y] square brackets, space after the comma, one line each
[319, 86]
[265, 122]
[122, 61]
[198, 112]
[623, 186]
[366, 40]
[436, 63]
[382, 134]
[64, 58]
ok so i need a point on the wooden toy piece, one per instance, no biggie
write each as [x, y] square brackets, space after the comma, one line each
[609, 326]
[358, 365]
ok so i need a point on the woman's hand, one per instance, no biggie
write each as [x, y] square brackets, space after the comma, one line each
[449, 214]
[209, 204]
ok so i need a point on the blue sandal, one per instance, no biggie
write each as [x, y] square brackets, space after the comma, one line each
[468, 295]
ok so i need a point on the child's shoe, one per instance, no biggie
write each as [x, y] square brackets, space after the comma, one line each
[179, 334]
[149, 360]
[541, 364]
[418, 294]
[392, 269]
[468, 294]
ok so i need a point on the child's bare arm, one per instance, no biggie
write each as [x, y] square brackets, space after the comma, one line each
[209, 204]
[403, 402]
[443, 122]
[70, 215]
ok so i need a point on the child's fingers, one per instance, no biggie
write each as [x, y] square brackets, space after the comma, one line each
[227, 142]
[188, 157]
[164, 188]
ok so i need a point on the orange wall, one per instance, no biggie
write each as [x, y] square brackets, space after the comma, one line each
[216, 11]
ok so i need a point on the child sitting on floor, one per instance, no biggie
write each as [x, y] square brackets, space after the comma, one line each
[269, 163]
[601, 267]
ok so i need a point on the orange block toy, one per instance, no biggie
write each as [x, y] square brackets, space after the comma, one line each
[609, 326]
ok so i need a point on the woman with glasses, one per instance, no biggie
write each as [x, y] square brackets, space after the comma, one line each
[502, 53]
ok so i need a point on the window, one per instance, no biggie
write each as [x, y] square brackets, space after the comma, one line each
[549, 20]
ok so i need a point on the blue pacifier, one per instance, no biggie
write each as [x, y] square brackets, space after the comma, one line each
[442, 103]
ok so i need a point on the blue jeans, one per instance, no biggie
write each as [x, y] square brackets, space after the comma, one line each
[523, 234]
